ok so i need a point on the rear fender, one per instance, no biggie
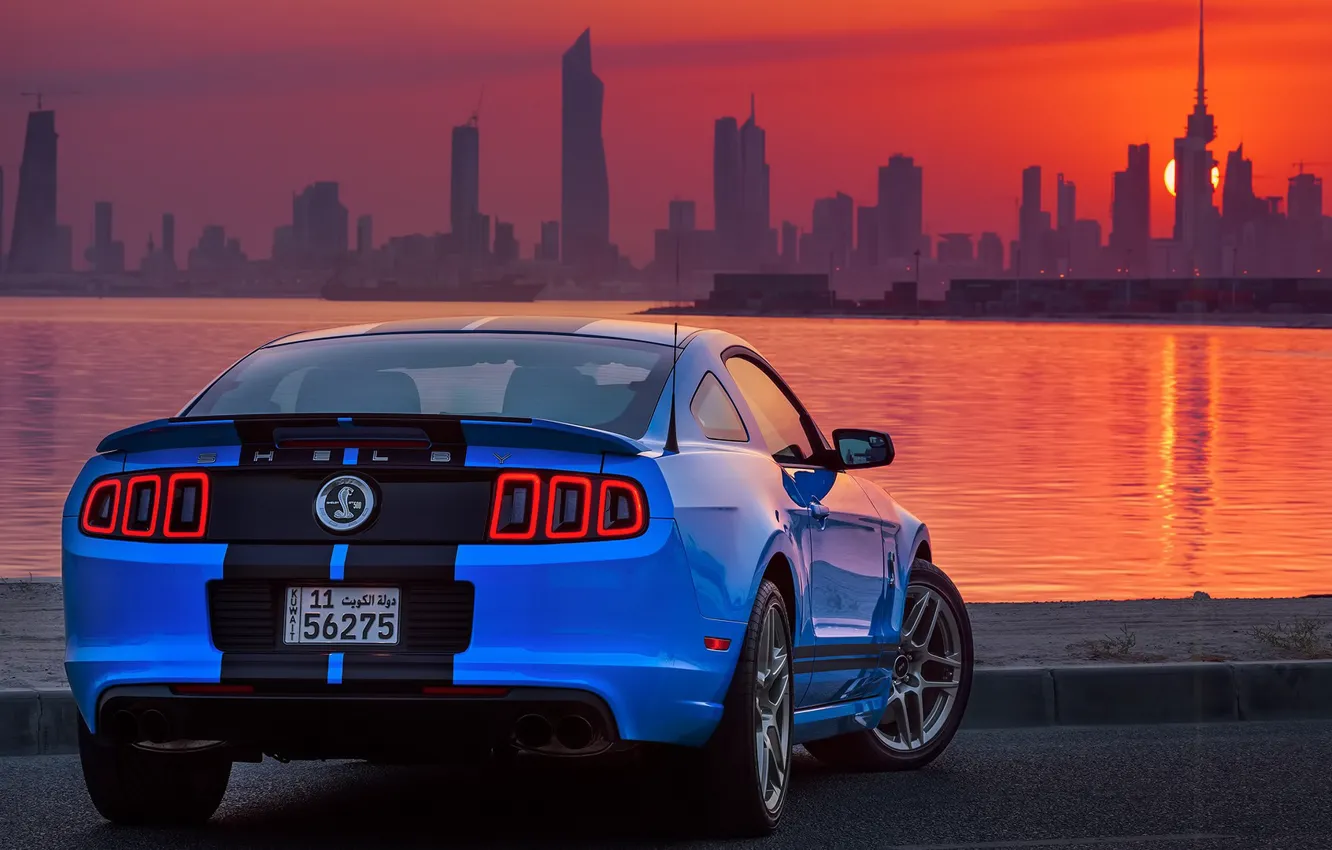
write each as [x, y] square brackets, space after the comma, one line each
[96, 467]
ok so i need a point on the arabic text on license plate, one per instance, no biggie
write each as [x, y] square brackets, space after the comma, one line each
[342, 615]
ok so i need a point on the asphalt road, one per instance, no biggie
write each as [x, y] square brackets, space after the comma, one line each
[1222, 787]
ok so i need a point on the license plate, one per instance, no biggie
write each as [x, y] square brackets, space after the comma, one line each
[342, 615]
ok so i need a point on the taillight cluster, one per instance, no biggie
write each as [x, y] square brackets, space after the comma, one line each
[170, 506]
[551, 507]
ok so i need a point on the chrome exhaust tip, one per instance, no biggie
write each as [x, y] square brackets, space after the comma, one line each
[574, 733]
[532, 731]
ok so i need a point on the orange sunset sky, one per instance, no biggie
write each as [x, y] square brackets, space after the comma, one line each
[218, 110]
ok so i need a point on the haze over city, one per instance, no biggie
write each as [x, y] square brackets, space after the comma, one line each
[221, 117]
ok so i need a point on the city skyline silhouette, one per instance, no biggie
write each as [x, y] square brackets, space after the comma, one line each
[670, 156]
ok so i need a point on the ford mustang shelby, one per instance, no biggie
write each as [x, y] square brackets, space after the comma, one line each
[427, 539]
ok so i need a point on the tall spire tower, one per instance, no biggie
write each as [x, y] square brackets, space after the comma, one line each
[1197, 224]
[1201, 124]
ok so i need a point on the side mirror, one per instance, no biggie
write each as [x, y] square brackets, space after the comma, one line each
[861, 449]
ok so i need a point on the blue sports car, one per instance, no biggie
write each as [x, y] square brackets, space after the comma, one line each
[435, 539]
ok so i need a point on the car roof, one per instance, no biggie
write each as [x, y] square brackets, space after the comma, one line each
[654, 332]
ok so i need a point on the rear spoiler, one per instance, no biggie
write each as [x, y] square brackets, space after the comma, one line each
[483, 431]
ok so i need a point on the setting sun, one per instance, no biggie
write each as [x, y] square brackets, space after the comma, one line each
[1170, 177]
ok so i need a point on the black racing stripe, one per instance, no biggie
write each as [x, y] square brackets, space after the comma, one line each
[826, 665]
[537, 324]
[857, 650]
[413, 667]
[276, 561]
[399, 562]
[804, 652]
[305, 667]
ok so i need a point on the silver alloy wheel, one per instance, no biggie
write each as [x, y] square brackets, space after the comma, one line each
[772, 715]
[926, 675]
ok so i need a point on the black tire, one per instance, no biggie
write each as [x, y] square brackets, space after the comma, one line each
[867, 750]
[726, 770]
[134, 786]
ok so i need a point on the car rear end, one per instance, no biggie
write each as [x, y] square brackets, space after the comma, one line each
[385, 585]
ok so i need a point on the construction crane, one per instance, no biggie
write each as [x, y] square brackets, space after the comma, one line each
[476, 113]
[40, 94]
[1300, 165]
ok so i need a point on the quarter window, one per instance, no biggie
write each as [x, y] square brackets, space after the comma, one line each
[779, 420]
[715, 413]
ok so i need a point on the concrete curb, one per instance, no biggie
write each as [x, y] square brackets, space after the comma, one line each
[37, 721]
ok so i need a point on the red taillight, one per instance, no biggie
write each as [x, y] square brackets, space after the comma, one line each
[717, 644]
[517, 500]
[569, 508]
[186, 506]
[140, 517]
[558, 507]
[102, 507]
[621, 510]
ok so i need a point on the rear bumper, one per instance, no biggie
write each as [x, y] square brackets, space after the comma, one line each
[614, 622]
[326, 722]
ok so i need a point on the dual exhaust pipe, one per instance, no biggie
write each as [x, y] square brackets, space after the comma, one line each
[572, 734]
[151, 726]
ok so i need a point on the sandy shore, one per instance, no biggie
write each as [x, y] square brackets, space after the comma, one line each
[1007, 634]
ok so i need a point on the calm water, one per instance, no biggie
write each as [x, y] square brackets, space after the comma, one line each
[1051, 461]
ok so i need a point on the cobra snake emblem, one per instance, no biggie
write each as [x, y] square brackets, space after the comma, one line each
[344, 510]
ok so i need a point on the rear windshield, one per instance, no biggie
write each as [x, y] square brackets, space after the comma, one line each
[602, 383]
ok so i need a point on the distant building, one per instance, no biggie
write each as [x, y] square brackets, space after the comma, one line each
[318, 227]
[169, 238]
[1084, 249]
[740, 190]
[36, 246]
[956, 249]
[990, 253]
[105, 255]
[2, 219]
[63, 256]
[584, 183]
[465, 182]
[215, 253]
[790, 247]
[901, 208]
[365, 235]
[549, 247]
[681, 215]
[1131, 212]
[1067, 204]
[1304, 211]
[828, 245]
[1197, 225]
[867, 237]
[506, 244]
[1033, 225]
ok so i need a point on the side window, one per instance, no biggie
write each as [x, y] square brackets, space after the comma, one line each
[778, 419]
[715, 413]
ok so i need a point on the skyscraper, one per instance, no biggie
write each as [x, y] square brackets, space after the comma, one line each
[1304, 211]
[1033, 224]
[549, 247]
[990, 253]
[726, 184]
[36, 242]
[2, 219]
[867, 237]
[365, 235]
[319, 224]
[465, 189]
[106, 255]
[1131, 212]
[584, 183]
[1067, 205]
[755, 212]
[169, 238]
[1196, 222]
[901, 207]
